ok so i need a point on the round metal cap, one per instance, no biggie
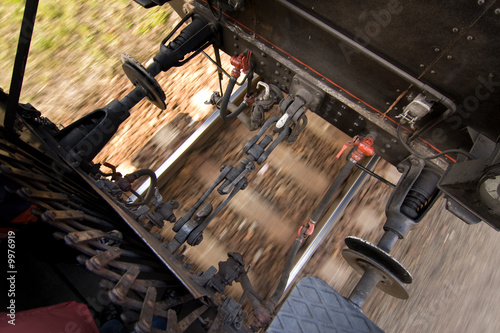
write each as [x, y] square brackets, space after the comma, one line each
[140, 77]
[383, 258]
[389, 283]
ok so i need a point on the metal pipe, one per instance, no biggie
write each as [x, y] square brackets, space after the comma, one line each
[23, 48]
[372, 55]
[334, 217]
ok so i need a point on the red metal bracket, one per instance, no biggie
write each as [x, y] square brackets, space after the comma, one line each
[305, 231]
[362, 148]
[241, 62]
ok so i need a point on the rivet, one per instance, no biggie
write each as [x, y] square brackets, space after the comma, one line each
[382, 150]
[361, 118]
[262, 63]
[285, 79]
[278, 64]
[235, 45]
[394, 141]
[343, 106]
[437, 49]
[263, 55]
[276, 73]
[388, 146]
[235, 37]
[480, 2]
[433, 72]
[335, 120]
[422, 65]
[497, 11]
[350, 130]
[470, 38]
[339, 113]
[454, 29]
[356, 124]
[449, 57]
[491, 75]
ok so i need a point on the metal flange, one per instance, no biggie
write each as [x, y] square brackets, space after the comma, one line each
[381, 257]
[388, 282]
[140, 77]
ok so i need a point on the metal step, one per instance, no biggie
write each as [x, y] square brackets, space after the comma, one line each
[313, 306]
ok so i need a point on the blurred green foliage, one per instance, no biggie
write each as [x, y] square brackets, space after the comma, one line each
[75, 36]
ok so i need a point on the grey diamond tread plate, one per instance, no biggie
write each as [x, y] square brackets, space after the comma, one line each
[314, 307]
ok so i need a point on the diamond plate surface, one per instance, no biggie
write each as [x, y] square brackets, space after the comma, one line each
[314, 307]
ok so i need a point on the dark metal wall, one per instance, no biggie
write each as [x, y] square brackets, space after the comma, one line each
[449, 45]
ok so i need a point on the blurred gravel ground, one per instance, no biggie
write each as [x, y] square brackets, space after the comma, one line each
[455, 266]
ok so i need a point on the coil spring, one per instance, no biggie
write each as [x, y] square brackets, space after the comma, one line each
[419, 195]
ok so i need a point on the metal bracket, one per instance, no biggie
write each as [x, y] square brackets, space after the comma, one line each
[312, 95]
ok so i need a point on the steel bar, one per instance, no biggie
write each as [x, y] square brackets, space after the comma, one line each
[23, 48]
[200, 134]
[139, 285]
[374, 175]
[325, 228]
[122, 287]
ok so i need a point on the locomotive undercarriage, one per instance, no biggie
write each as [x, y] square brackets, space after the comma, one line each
[115, 227]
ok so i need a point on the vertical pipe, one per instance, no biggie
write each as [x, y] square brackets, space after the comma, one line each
[20, 61]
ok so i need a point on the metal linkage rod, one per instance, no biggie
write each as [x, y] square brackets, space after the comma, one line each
[325, 229]
[231, 181]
